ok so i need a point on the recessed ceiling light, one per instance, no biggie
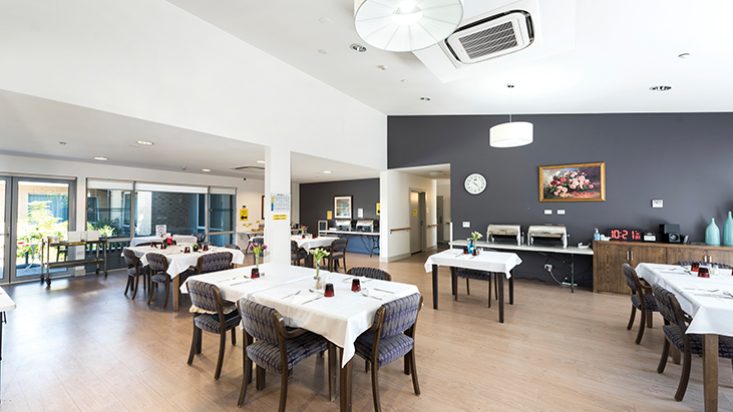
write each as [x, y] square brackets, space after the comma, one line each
[327, 172]
[358, 47]
[661, 88]
[145, 143]
[261, 162]
[100, 158]
[206, 170]
[683, 55]
[425, 99]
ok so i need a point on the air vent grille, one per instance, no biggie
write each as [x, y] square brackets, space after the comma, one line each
[489, 41]
[250, 168]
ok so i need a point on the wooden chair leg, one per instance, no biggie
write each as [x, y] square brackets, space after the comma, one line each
[234, 336]
[649, 319]
[260, 372]
[283, 390]
[413, 372]
[152, 293]
[406, 368]
[199, 340]
[632, 317]
[136, 283]
[489, 292]
[193, 344]
[642, 326]
[127, 286]
[220, 360]
[684, 378]
[167, 293]
[665, 355]
[468, 287]
[366, 365]
[246, 372]
[375, 388]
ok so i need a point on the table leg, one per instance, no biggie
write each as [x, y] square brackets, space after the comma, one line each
[572, 273]
[176, 292]
[435, 287]
[710, 372]
[332, 368]
[500, 280]
[345, 384]
[454, 283]
[511, 288]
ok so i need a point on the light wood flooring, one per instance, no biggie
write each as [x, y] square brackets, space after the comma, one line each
[82, 345]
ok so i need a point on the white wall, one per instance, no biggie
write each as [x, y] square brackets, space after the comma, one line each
[394, 194]
[151, 60]
[248, 192]
[443, 189]
[295, 202]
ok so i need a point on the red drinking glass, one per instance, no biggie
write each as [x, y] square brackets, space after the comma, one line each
[355, 285]
[703, 272]
[328, 293]
[255, 273]
[187, 250]
[695, 266]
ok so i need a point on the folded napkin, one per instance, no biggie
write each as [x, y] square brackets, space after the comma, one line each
[304, 297]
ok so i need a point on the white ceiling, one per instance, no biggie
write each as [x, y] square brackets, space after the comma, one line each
[620, 48]
[33, 126]
[439, 171]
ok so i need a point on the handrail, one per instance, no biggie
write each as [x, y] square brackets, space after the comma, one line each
[430, 226]
[399, 229]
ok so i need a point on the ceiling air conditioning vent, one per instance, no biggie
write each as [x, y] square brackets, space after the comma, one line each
[249, 169]
[491, 37]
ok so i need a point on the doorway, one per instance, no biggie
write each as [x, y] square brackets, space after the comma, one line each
[32, 209]
[418, 238]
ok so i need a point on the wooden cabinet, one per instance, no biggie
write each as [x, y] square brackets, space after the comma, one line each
[609, 257]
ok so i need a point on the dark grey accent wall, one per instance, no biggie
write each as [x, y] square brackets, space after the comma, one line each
[317, 198]
[685, 159]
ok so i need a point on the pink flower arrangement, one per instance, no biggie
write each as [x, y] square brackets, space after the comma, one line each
[566, 183]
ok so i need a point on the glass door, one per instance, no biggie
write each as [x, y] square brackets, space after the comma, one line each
[4, 229]
[41, 208]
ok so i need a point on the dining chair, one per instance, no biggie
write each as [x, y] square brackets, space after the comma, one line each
[701, 263]
[642, 299]
[158, 266]
[200, 237]
[298, 255]
[275, 348]
[232, 246]
[371, 273]
[211, 314]
[135, 271]
[214, 262]
[675, 326]
[391, 337]
[337, 254]
[469, 274]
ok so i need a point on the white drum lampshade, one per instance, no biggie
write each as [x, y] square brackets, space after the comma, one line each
[512, 134]
[406, 25]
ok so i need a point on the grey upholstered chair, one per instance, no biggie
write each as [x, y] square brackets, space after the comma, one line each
[210, 314]
[371, 273]
[158, 266]
[675, 332]
[391, 337]
[469, 274]
[337, 254]
[135, 271]
[274, 348]
[214, 262]
[641, 299]
[298, 255]
[232, 246]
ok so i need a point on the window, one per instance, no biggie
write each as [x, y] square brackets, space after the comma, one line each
[221, 212]
[108, 207]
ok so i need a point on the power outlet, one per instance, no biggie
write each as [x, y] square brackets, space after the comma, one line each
[466, 225]
[548, 211]
[560, 212]
[657, 203]
[548, 267]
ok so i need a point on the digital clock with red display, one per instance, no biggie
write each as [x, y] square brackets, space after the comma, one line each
[631, 235]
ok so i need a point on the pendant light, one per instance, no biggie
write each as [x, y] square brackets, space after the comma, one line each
[406, 25]
[511, 134]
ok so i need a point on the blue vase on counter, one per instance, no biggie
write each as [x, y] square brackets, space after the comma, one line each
[728, 231]
[712, 234]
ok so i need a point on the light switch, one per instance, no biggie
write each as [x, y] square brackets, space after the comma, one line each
[657, 203]
[560, 211]
[548, 211]
[466, 225]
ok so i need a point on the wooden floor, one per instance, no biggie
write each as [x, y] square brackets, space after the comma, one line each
[83, 346]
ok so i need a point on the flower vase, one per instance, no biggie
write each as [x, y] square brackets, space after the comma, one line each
[470, 246]
[712, 234]
[728, 231]
[317, 277]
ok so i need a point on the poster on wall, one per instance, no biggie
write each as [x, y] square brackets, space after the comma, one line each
[342, 207]
[160, 230]
[579, 182]
[243, 213]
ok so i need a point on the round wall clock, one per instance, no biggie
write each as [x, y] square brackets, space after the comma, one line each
[475, 183]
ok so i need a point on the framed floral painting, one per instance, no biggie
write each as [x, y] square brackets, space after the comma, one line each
[580, 182]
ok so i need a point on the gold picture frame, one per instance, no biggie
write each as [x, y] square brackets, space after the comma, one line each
[576, 182]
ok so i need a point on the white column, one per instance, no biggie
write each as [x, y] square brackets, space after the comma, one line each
[277, 223]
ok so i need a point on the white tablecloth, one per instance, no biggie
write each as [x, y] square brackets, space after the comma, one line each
[179, 262]
[6, 303]
[185, 239]
[704, 299]
[308, 244]
[340, 319]
[487, 261]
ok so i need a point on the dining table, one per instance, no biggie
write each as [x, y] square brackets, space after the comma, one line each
[141, 240]
[709, 301]
[309, 243]
[501, 263]
[291, 290]
[179, 261]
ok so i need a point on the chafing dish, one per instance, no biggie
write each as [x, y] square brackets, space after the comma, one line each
[548, 232]
[499, 232]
